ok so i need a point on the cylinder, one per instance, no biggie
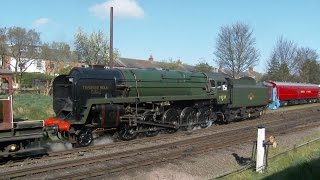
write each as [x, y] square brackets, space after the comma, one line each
[260, 150]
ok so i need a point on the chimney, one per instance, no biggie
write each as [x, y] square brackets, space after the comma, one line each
[150, 58]
[250, 69]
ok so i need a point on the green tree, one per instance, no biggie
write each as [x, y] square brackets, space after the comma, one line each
[93, 48]
[24, 47]
[273, 69]
[235, 48]
[310, 72]
[203, 67]
[171, 64]
[284, 73]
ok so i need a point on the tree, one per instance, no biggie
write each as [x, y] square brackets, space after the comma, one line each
[23, 46]
[273, 69]
[235, 48]
[203, 67]
[3, 40]
[93, 48]
[171, 64]
[56, 54]
[307, 65]
[281, 65]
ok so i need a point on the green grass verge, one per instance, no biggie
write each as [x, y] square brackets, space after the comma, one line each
[32, 106]
[295, 107]
[302, 163]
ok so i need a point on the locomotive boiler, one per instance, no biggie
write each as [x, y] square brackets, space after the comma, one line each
[92, 100]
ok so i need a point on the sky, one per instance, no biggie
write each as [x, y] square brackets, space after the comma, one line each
[169, 29]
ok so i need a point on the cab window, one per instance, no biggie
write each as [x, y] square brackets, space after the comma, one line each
[219, 85]
[224, 86]
[212, 83]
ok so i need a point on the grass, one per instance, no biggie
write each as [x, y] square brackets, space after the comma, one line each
[296, 107]
[32, 106]
[302, 163]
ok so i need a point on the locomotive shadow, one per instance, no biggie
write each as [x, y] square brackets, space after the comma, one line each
[242, 161]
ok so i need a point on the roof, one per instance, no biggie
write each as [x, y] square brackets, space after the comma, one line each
[248, 73]
[136, 63]
[145, 64]
[293, 84]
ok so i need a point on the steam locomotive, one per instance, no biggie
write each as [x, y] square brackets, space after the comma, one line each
[91, 101]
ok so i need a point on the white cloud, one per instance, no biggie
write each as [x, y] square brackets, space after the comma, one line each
[40, 22]
[121, 8]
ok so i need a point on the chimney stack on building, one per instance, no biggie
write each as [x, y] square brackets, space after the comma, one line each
[151, 58]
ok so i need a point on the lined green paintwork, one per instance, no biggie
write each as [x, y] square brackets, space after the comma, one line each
[223, 97]
[246, 93]
[93, 101]
[163, 83]
[149, 85]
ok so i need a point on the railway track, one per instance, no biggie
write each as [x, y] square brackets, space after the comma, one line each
[119, 161]
[151, 141]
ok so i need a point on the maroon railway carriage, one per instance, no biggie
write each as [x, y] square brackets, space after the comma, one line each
[296, 93]
[17, 136]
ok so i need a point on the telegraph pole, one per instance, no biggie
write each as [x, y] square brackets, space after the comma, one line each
[111, 39]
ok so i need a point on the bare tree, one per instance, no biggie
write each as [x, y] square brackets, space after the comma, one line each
[283, 56]
[307, 65]
[56, 54]
[285, 52]
[24, 48]
[3, 40]
[235, 48]
[93, 48]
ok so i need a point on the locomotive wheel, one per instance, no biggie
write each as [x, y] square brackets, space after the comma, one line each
[171, 130]
[204, 117]
[171, 116]
[188, 117]
[152, 132]
[84, 137]
[127, 133]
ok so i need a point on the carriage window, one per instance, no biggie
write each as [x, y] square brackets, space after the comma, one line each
[212, 83]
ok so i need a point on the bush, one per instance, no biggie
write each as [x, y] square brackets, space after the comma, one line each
[27, 78]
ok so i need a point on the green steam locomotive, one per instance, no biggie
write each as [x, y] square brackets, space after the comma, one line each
[94, 100]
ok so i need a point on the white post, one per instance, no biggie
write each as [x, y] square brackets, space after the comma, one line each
[260, 150]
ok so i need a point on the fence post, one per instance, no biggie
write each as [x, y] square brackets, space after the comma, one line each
[260, 150]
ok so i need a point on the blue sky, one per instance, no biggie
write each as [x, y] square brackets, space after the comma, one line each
[177, 29]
